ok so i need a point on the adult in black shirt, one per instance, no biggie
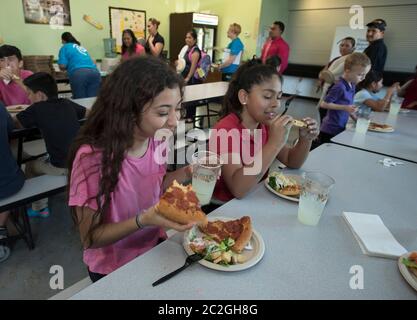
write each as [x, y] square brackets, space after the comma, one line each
[377, 50]
[155, 42]
[12, 178]
[58, 121]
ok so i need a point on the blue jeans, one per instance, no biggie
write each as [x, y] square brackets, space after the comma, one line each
[85, 83]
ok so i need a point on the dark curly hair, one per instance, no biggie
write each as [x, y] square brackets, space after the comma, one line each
[110, 126]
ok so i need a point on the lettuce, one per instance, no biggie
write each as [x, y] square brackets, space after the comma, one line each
[408, 263]
[272, 182]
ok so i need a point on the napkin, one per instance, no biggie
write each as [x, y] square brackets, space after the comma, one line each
[373, 236]
[388, 162]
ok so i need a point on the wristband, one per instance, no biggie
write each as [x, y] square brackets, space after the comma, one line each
[140, 226]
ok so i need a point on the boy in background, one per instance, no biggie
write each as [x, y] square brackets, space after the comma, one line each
[58, 121]
[12, 90]
[339, 100]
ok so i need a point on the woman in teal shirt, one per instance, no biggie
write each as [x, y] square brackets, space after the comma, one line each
[233, 53]
[83, 74]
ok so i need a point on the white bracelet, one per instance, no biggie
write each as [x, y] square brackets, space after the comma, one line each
[140, 225]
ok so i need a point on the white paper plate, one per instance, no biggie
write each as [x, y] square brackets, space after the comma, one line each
[291, 198]
[387, 130]
[402, 110]
[252, 256]
[408, 276]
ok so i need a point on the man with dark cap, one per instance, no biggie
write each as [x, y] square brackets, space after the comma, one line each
[377, 50]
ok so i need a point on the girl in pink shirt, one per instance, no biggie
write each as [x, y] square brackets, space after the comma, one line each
[117, 173]
[131, 47]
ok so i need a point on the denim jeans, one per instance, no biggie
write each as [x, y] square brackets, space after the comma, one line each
[85, 83]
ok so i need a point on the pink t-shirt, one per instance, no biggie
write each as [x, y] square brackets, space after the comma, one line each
[139, 188]
[12, 93]
[138, 51]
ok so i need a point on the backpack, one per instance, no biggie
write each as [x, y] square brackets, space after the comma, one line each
[203, 65]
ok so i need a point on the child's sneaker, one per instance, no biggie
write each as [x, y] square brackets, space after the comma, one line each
[44, 213]
[32, 213]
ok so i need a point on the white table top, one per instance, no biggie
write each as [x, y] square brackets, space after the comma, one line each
[402, 143]
[191, 93]
[300, 262]
[205, 91]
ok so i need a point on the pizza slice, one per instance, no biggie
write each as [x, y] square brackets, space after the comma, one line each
[180, 204]
[379, 126]
[299, 123]
[240, 230]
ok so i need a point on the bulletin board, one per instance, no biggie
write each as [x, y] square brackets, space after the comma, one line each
[121, 19]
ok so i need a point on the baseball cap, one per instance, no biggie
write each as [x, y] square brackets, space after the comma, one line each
[378, 24]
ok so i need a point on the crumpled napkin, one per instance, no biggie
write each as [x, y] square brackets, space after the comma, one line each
[388, 162]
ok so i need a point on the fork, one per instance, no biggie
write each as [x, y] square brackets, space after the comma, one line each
[188, 262]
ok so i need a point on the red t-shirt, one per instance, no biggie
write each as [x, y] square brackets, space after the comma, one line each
[228, 137]
[276, 47]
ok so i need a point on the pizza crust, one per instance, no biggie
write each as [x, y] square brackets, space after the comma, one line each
[290, 190]
[299, 123]
[240, 242]
[183, 215]
[245, 236]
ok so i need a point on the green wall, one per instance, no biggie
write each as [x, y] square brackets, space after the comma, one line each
[244, 12]
[41, 39]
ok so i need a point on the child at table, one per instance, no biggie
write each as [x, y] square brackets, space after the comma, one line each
[12, 90]
[339, 99]
[116, 175]
[253, 101]
[409, 92]
[367, 95]
[58, 121]
[12, 178]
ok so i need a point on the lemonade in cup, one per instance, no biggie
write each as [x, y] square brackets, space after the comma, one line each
[315, 190]
[206, 170]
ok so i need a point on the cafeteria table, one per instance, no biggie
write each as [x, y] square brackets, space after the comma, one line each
[202, 93]
[402, 143]
[300, 262]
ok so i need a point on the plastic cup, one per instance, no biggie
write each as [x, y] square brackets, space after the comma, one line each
[206, 170]
[315, 189]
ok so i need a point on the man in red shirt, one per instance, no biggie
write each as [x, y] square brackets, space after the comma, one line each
[275, 45]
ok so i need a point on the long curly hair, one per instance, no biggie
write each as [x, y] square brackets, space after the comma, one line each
[109, 129]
